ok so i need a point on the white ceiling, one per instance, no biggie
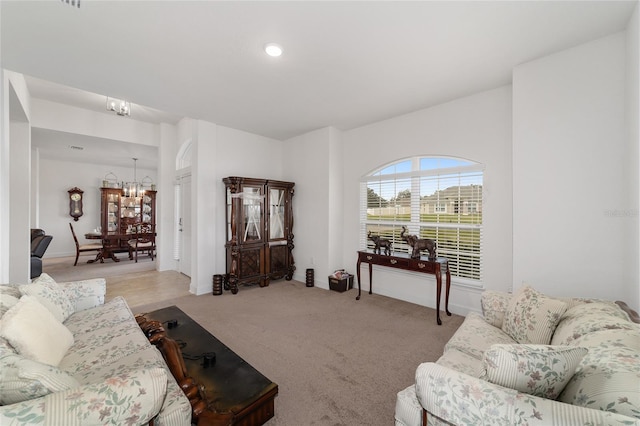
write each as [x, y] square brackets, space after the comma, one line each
[345, 64]
[52, 144]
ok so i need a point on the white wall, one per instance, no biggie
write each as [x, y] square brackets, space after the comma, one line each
[477, 128]
[4, 179]
[219, 152]
[59, 176]
[80, 121]
[206, 244]
[335, 202]
[16, 178]
[165, 197]
[572, 181]
[633, 116]
[20, 201]
[308, 164]
[4, 176]
[569, 112]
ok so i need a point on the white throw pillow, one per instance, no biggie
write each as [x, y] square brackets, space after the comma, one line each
[10, 289]
[35, 333]
[494, 305]
[22, 379]
[52, 296]
[532, 317]
[7, 302]
[6, 348]
[43, 278]
[538, 370]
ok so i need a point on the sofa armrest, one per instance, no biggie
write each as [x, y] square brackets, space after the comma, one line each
[40, 244]
[21, 413]
[459, 398]
[494, 305]
[85, 294]
[131, 397]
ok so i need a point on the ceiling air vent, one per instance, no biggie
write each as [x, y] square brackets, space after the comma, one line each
[79, 148]
[72, 2]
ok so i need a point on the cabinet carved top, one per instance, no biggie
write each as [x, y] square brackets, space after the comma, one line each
[237, 180]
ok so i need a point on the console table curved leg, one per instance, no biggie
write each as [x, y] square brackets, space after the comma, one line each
[358, 273]
[446, 300]
[438, 274]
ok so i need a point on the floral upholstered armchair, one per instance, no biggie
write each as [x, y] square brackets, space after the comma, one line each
[532, 360]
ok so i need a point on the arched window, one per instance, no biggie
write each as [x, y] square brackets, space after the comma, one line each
[433, 197]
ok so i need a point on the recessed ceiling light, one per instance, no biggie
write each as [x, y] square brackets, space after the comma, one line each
[273, 49]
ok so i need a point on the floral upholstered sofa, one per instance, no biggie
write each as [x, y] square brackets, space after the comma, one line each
[532, 360]
[68, 358]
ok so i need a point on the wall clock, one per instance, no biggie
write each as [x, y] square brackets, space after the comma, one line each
[75, 203]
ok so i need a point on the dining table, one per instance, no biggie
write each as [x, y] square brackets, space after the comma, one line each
[111, 243]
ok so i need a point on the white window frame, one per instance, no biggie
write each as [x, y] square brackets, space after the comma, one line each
[466, 265]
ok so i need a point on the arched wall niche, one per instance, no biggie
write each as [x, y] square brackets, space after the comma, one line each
[183, 158]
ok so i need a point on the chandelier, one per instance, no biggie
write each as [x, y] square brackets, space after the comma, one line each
[135, 188]
[120, 107]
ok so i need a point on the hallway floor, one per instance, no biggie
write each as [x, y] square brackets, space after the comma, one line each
[139, 283]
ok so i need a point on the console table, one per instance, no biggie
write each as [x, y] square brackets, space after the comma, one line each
[407, 263]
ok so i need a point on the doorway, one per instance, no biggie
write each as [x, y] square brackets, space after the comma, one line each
[184, 224]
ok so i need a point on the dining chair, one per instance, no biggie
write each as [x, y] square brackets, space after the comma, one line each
[144, 239]
[86, 248]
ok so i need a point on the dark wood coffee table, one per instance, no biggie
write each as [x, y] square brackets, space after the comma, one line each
[228, 391]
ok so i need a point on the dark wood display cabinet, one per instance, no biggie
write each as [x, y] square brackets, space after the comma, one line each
[259, 219]
[118, 215]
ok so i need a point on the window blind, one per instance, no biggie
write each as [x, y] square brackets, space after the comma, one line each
[431, 197]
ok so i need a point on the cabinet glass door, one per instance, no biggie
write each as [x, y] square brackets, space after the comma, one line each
[113, 211]
[276, 213]
[252, 212]
[147, 208]
[130, 207]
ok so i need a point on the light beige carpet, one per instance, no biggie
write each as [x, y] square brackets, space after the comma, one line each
[337, 361]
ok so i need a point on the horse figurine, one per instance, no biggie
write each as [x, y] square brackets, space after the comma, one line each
[419, 244]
